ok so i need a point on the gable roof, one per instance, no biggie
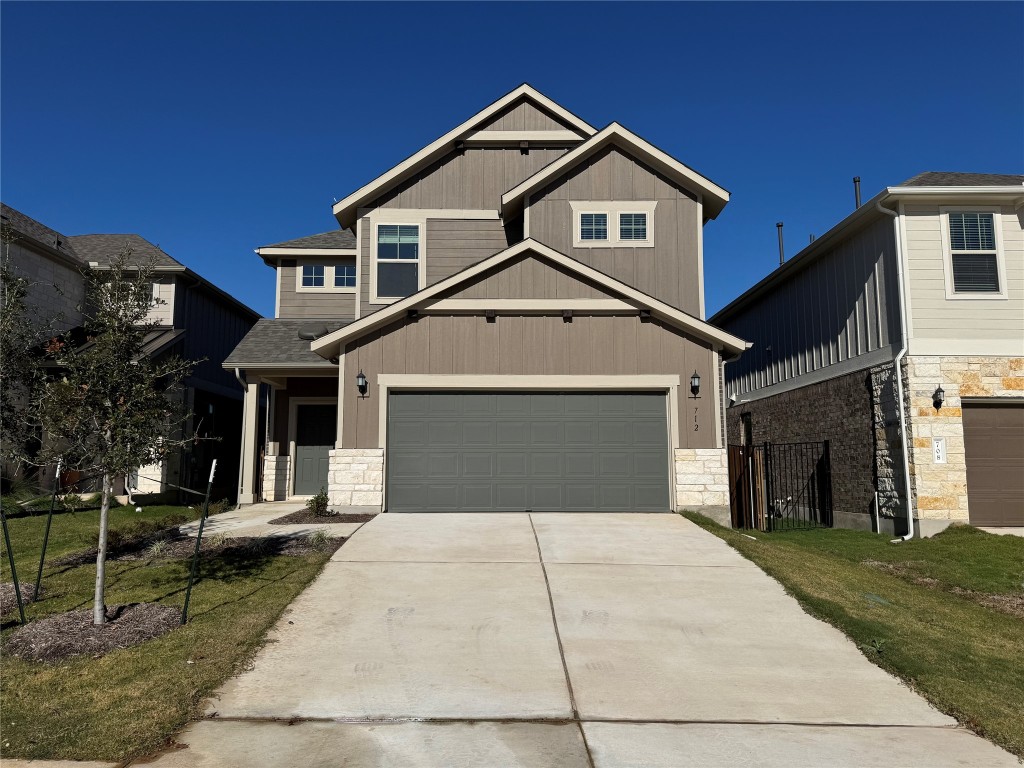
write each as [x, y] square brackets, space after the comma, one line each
[104, 250]
[955, 179]
[337, 238]
[345, 211]
[39, 233]
[715, 197]
[325, 346]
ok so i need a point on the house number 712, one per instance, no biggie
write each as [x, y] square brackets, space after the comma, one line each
[696, 426]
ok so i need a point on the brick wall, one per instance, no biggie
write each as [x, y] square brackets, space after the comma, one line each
[838, 410]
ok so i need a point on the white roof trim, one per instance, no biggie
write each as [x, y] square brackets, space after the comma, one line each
[719, 338]
[343, 210]
[715, 197]
[306, 251]
[958, 191]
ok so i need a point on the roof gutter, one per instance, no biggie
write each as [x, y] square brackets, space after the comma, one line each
[898, 371]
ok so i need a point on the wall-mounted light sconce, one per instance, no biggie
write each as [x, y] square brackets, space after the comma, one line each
[695, 385]
[938, 397]
[361, 383]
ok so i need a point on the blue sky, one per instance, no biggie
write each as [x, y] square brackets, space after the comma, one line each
[214, 128]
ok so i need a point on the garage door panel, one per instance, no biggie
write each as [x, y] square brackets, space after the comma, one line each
[994, 448]
[557, 451]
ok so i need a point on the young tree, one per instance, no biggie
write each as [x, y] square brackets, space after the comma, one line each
[111, 408]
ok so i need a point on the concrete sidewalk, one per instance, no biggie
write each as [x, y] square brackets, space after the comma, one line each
[561, 640]
[254, 520]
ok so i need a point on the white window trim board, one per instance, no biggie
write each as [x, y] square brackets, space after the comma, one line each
[947, 253]
[421, 275]
[613, 209]
[328, 286]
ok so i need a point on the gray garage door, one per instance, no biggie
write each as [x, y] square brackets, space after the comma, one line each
[516, 451]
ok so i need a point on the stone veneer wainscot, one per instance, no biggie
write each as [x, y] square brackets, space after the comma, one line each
[701, 478]
[356, 477]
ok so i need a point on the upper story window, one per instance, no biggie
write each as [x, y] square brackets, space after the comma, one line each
[613, 223]
[398, 260]
[632, 226]
[593, 226]
[972, 245]
[312, 275]
[345, 276]
[973, 254]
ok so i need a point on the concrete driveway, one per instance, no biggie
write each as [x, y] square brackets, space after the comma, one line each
[561, 640]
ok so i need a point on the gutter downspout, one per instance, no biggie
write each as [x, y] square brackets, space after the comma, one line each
[898, 369]
[241, 459]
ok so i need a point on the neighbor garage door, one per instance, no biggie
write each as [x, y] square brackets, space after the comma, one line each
[516, 451]
[994, 444]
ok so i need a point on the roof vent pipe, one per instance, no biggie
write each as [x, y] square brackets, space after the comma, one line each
[782, 250]
[856, 191]
[812, 238]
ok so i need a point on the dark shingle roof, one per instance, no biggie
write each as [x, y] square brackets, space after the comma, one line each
[336, 238]
[276, 341]
[951, 179]
[28, 227]
[103, 249]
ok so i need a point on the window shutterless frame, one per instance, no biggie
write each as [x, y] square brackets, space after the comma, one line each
[971, 246]
[635, 218]
[321, 276]
[402, 254]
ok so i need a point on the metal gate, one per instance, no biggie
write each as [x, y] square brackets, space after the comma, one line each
[780, 486]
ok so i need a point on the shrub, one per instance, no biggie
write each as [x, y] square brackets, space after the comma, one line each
[318, 504]
[72, 502]
[217, 507]
[319, 540]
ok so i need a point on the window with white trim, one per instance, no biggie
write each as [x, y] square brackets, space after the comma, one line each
[345, 276]
[313, 275]
[398, 260]
[973, 253]
[593, 226]
[632, 226]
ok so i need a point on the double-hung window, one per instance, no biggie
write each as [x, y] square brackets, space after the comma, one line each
[632, 226]
[398, 260]
[313, 275]
[593, 226]
[345, 276]
[973, 252]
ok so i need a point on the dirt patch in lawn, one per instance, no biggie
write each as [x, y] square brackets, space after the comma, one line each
[9, 600]
[172, 545]
[1012, 604]
[305, 516]
[64, 635]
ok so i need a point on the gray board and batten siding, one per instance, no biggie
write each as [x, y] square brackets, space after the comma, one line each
[669, 270]
[837, 314]
[313, 304]
[535, 451]
[524, 115]
[527, 277]
[526, 345]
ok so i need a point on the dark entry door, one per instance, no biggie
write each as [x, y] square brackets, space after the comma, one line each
[315, 427]
[537, 451]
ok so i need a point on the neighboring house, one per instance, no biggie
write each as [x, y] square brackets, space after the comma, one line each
[194, 319]
[507, 320]
[929, 273]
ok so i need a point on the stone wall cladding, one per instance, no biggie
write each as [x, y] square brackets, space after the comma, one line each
[839, 410]
[942, 490]
[701, 477]
[276, 477]
[356, 477]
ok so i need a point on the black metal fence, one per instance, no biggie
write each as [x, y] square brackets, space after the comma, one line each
[781, 486]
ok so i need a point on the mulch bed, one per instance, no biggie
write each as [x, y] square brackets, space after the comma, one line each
[305, 516]
[1012, 604]
[64, 635]
[9, 599]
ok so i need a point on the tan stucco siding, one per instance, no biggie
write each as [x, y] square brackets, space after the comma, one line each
[530, 278]
[668, 271]
[326, 303]
[524, 116]
[473, 179]
[537, 345]
[943, 325]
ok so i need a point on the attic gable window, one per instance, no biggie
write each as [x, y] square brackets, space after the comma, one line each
[613, 223]
[593, 226]
[973, 251]
[632, 226]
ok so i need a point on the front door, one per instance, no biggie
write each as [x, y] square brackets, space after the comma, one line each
[315, 427]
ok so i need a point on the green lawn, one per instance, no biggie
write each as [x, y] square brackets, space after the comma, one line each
[129, 702]
[916, 610]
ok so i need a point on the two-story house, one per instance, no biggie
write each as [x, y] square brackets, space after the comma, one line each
[192, 317]
[510, 319]
[925, 279]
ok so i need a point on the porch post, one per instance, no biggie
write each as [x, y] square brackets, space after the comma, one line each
[342, 381]
[250, 429]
